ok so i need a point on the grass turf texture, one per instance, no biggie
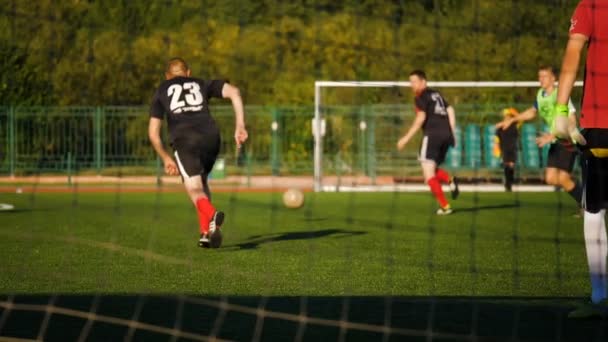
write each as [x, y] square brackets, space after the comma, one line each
[338, 244]
[503, 267]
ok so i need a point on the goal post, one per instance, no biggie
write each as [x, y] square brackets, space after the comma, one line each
[319, 125]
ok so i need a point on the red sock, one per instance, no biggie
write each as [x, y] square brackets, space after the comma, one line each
[442, 176]
[437, 191]
[205, 211]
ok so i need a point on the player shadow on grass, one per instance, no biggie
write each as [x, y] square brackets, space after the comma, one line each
[256, 240]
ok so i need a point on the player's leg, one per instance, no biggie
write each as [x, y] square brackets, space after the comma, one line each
[595, 198]
[208, 158]
[551, 171]
[428, 171]
[571, 186]
[596, 240]
[565, 179]
[190, 168]
[509, 172]
[206, 189]
[559, 171]
[551, 176]
[430, 154]
[442, 175]
[509, 156]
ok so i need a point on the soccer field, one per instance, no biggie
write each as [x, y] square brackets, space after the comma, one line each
[365, 265]
[338, 244]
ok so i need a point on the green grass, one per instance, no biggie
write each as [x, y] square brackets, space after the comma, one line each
[503, 267]
[338, 244]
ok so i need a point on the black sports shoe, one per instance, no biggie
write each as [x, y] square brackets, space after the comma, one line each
[204, 241]
[215, 233]
[454, 188]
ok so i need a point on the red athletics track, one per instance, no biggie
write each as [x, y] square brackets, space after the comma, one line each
[148, 184]
[129, 189]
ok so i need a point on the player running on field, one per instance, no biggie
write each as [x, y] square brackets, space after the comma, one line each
[507, 141]
[560, 160]
[438, 122]
[194, 136]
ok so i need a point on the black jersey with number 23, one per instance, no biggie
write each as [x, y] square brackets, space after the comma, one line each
[435, 107]
[185, 101]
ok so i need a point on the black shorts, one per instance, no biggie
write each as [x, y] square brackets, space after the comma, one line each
[508, 143]
[595, 195]
[595, 170]
[435, 148]
[560, 158]
[197, 154]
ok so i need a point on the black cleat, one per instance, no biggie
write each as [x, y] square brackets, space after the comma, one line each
[454, 188]
[215, 233]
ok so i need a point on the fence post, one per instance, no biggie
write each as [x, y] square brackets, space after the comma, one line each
[274, 143]
[249, 166]
[11, 141]
[371, 146]
[69, 167]
[159, 171]
[361, 141]
[97, 138]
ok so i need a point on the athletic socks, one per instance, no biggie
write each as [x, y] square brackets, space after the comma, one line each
[442, 176]
[596, 244]
[509, 177]
[435, 186]
[205, 211]
[577, 193]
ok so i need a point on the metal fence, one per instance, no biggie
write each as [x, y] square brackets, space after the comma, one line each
[359, 140]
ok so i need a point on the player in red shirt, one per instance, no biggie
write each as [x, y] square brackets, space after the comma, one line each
[588, 27]
[195, 137]
[437, 119]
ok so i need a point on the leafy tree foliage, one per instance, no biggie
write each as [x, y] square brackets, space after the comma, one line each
[79, 52]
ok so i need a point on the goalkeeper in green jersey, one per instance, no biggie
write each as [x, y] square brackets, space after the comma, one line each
[560, 160]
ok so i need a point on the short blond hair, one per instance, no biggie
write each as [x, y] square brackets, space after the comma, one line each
[177, 66]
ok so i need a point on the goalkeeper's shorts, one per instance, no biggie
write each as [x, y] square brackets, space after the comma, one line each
[595, 169]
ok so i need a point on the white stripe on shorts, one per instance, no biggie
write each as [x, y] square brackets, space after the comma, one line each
[423, 148]
[180, 166]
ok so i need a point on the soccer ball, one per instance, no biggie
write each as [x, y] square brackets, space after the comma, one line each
[293, 198]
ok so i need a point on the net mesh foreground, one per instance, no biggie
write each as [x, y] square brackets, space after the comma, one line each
[117, 265]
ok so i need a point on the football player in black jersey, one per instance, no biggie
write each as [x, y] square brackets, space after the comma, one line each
[438, 122]
[194, 136]
[507, 137]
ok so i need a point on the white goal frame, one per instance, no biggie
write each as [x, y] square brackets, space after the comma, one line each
[318, 124]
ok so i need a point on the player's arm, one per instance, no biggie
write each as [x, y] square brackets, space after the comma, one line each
[452, 119]
[416, 125]
[564, 127]
[154, 136]
[231, 92]
[526, 115]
